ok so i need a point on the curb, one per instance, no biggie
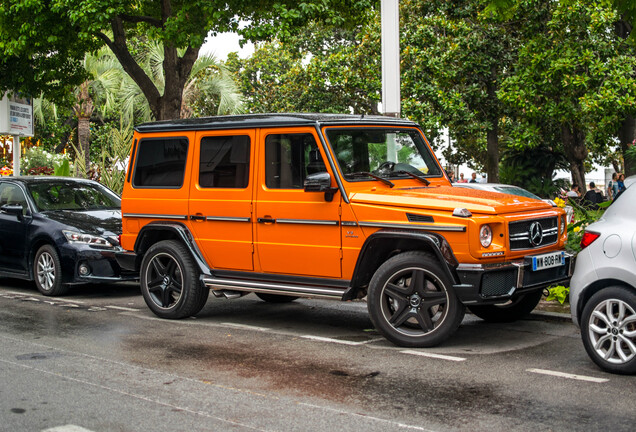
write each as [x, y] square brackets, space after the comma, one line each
[551, 316]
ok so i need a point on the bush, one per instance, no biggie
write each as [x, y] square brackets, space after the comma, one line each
[37, 161]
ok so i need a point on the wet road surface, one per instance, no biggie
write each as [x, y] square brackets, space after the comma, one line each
[99, 360]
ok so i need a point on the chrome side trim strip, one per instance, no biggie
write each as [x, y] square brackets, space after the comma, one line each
[269, 287]
[349, 223]
[306, 222]
[155, 216]
[228, 219]
[413, 226]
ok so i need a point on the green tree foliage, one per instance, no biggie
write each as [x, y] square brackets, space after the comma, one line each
[457, 58]
[574, 80]
[42, 42]
[319, 70]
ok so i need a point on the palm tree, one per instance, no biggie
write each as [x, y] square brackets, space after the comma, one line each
[210, 85]
[102, 68]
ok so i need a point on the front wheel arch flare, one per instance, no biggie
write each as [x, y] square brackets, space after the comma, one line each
[384, 244]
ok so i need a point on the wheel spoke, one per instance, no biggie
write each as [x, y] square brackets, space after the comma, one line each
[600, 341]
[159, 268]
[597, 329]
[171, 268]
[629, 343]
[611, 350]
[424, 320]
[166, 297]
[400, 316]
[631, 319]
[397, 292]
[155, 284]
[417, 282]
[434, 298]
[601, 316]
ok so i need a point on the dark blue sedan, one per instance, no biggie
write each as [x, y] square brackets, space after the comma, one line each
[59, 231]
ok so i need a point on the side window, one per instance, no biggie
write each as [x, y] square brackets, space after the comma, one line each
[289, 159]
[160, 162]
[224, 162]
[11, 194]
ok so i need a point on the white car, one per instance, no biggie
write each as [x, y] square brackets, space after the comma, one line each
[603, 286]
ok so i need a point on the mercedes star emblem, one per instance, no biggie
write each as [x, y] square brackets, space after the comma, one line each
[536, 233]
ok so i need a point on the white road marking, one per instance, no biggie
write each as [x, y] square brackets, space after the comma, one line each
[338, 341]
[127, 309]
[67, 428]
[377, 419]
[433, 355]
[568, 375]
[246, 327]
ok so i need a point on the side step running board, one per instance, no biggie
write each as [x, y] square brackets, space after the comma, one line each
[217, 284]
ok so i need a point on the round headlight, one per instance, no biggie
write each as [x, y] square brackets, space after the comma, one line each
[485, 235]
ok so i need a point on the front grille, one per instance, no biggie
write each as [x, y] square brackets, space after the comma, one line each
[498, 283]
[520, 233]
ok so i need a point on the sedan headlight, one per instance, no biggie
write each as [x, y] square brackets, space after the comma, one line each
[485, 235]
[76, 237]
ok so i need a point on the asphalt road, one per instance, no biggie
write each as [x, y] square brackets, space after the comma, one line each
[99, 360]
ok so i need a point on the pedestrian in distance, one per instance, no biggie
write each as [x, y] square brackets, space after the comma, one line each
[621, 182]
[612, 187]
[574, 193]
[593, 197]
[473, 178]
[462, 179]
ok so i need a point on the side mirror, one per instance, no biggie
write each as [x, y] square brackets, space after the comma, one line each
[320, 182]
[15, 210]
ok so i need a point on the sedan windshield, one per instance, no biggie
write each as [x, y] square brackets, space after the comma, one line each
[366, 153]
[70, 195]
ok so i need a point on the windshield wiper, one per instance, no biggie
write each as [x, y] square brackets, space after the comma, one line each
[415, 176]
[373, 176]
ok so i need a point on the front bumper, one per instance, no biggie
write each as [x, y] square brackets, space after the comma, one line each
[101, 263]
[497, 283]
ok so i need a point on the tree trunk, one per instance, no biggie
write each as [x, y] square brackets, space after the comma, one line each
[492, 161]
[576, 152]
[83, 138]
[627, 135]
[176, 70]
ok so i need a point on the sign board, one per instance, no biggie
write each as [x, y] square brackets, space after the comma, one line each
[16, 115]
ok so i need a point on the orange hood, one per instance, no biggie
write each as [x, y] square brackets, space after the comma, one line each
[448, 198]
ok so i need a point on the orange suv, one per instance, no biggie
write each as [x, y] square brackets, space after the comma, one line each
[330, 206]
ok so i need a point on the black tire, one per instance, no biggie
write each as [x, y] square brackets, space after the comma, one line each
[516, 309]
[412, 302]
[276, 298]
[608, 329]
[47, 272]
[170, 282]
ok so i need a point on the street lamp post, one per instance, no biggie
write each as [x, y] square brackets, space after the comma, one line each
[390, 20]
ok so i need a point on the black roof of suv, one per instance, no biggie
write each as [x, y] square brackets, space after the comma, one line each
[266, 120]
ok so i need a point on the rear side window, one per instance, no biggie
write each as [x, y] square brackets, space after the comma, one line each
[224, 162]
[161, 162]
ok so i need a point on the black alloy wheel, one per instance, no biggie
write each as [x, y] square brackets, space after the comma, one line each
[169, 281]
[412, 302]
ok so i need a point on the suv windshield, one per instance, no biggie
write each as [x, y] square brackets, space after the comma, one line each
[70, 195]
[383, 152]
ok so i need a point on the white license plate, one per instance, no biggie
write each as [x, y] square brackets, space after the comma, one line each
[549, 260]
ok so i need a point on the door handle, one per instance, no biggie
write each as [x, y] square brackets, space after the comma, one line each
[197, 218]
[266, 220]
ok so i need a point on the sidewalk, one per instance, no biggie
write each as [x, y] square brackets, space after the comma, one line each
[553, 310]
